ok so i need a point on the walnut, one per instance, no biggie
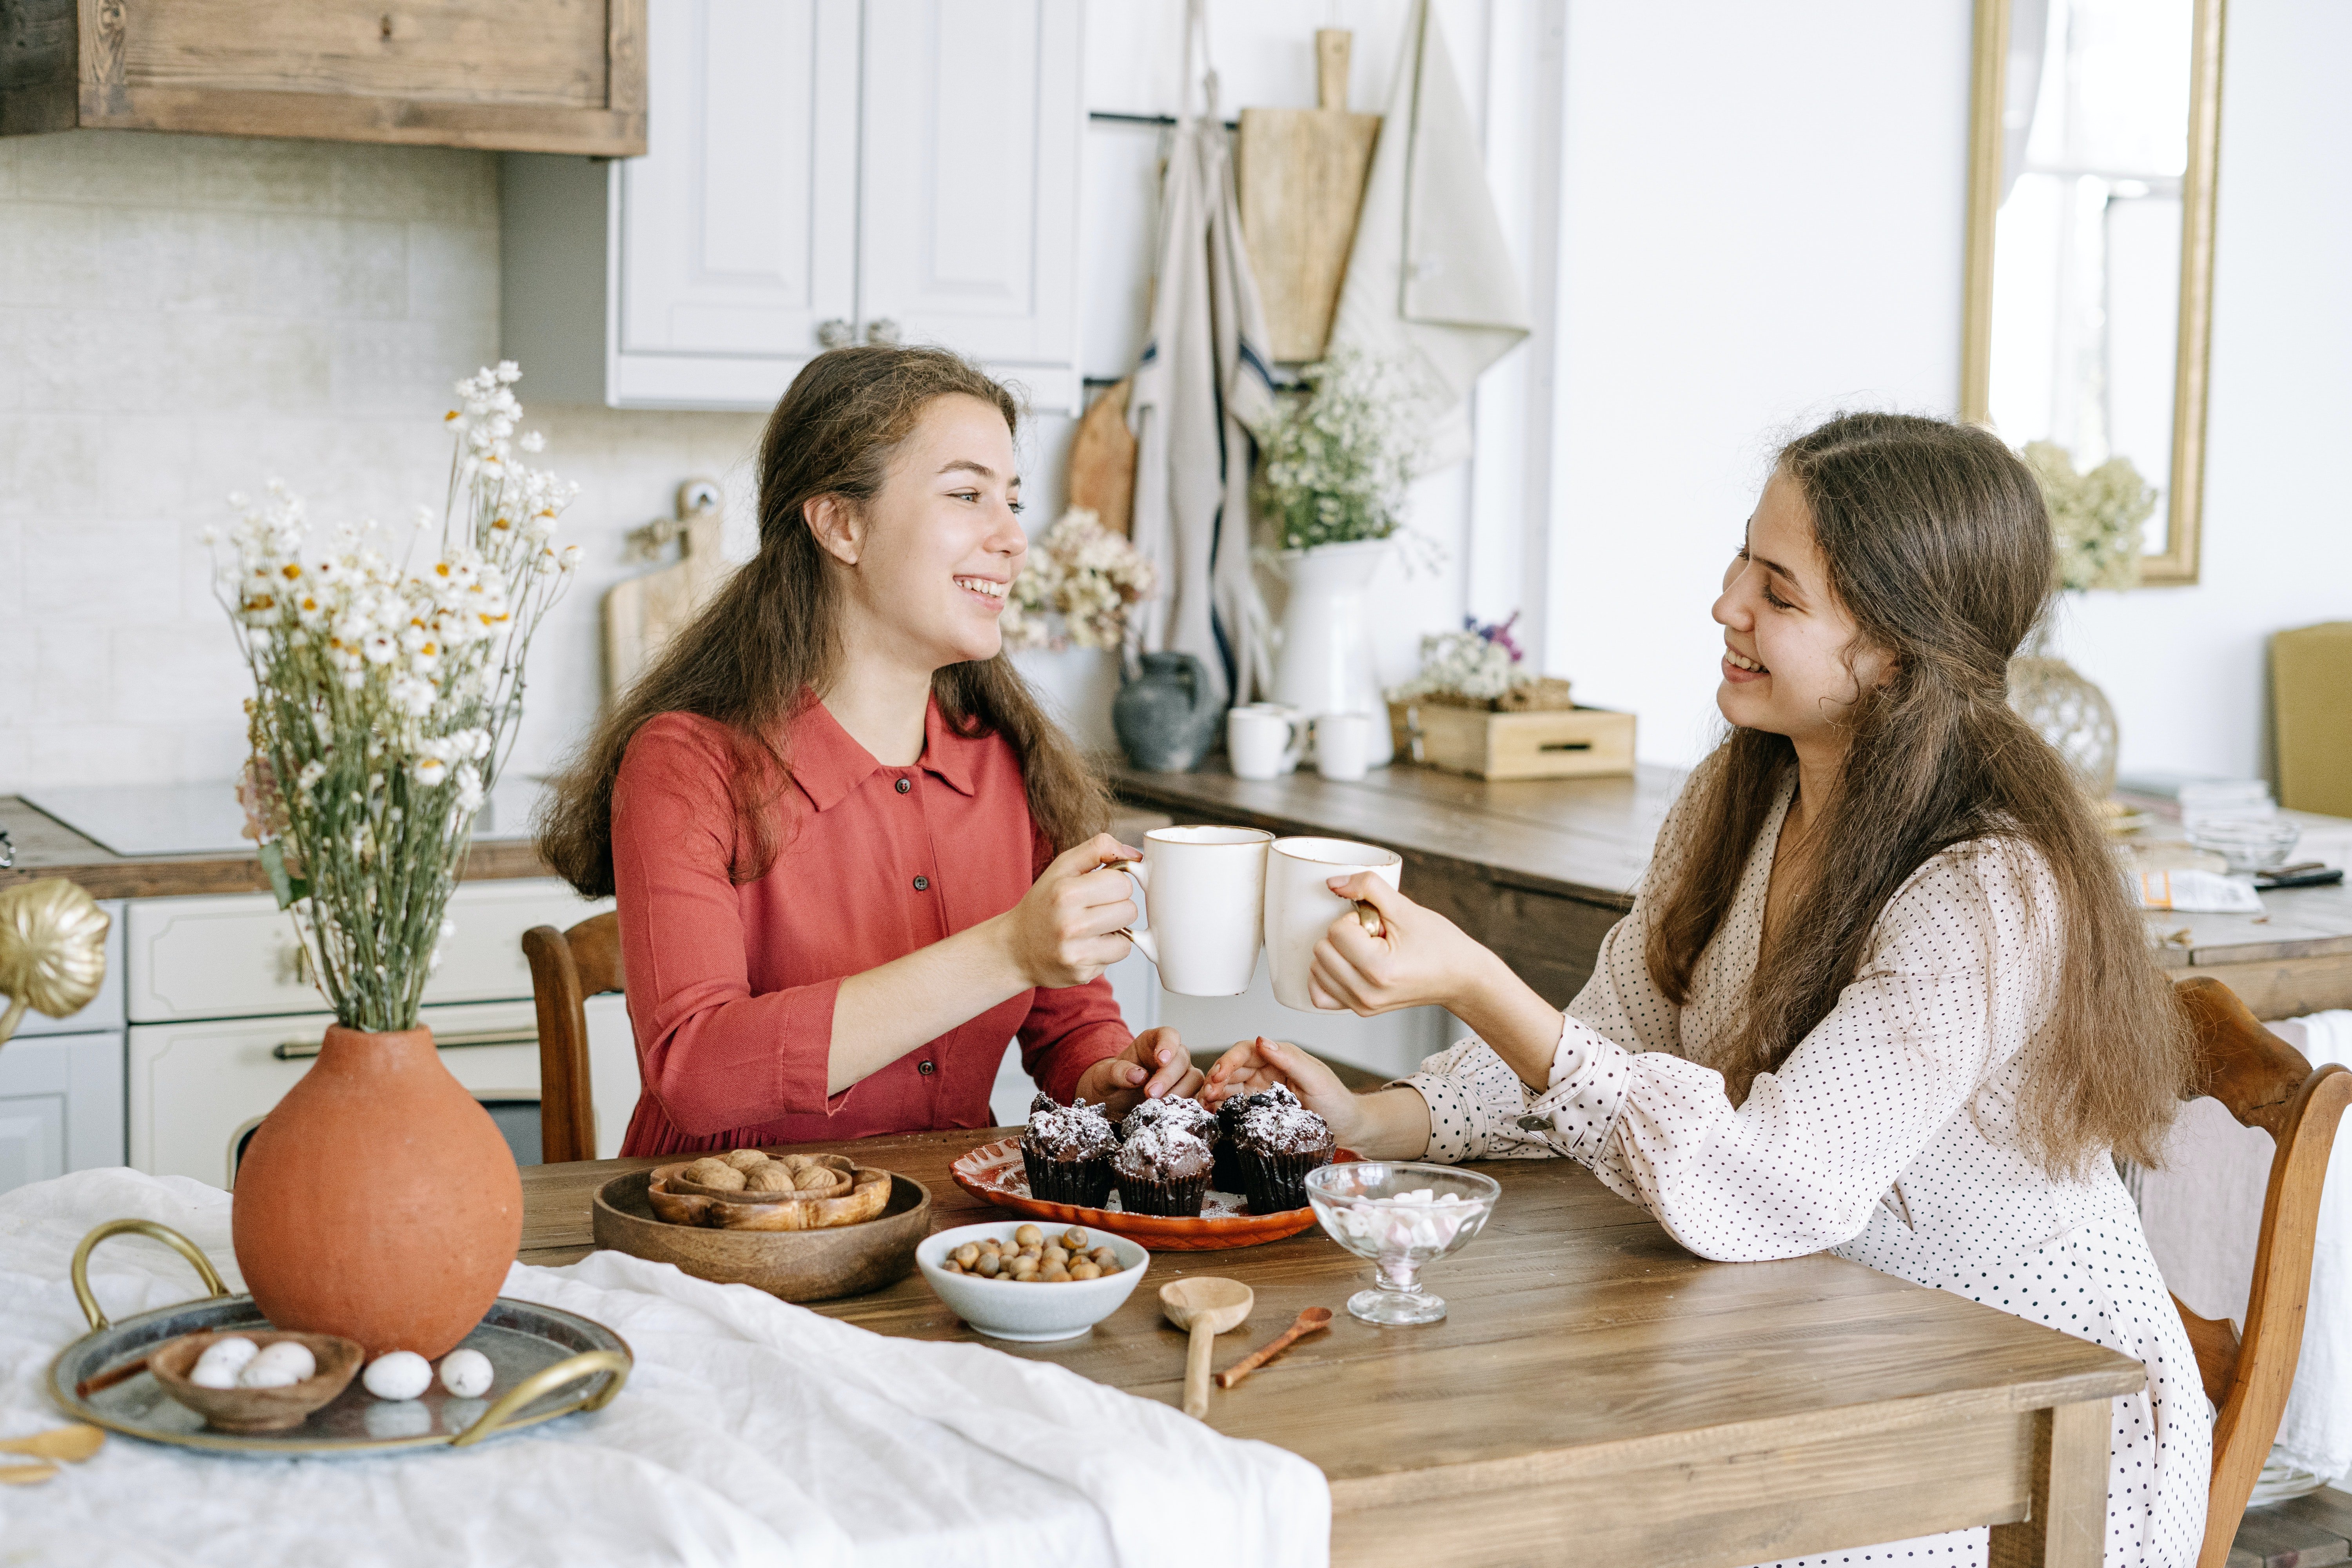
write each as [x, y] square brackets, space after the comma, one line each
[816, 1178]
[714, 1173]
[746, 1159]
[797, 1161]
[770, 1177]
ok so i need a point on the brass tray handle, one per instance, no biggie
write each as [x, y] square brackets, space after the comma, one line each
[546, 1380]
[147, 1227]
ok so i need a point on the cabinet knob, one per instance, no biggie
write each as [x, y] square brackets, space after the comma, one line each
[834, 333]
[882, 330]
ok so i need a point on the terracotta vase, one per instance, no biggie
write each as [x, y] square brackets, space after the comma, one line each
[378, 1200]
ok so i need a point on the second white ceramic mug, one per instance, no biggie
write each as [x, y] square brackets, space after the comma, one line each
[1263, 740]
[1204, 895]
[1300, 905]
[1343, 744]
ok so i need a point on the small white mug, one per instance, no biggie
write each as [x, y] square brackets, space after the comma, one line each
[1203, 893]
[1343, 744]
[1300, 905]
[1263, 740]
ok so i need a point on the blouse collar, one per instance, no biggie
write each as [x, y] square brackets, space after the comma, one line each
[828, 763]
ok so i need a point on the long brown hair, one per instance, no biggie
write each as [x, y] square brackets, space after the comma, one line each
[773, 631]
[1939, 546]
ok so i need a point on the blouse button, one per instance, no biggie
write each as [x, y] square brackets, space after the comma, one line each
[921, 883]
[906, 784]
[926, 1069]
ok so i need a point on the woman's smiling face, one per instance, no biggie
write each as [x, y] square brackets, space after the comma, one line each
[1794, 662]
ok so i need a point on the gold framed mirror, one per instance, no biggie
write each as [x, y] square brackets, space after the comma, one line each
[2094, 135]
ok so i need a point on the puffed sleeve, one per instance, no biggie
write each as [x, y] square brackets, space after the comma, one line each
[1071, 1028]
[714, 1056]
[1799, 1165]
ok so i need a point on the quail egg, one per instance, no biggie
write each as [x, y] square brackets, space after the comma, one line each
[279, 1365]
[222, 1360]
[397, 1374]
[467, 1374]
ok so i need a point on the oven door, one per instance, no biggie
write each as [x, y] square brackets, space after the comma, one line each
[198, 1091]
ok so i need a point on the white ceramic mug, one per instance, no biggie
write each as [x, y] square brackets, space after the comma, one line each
[1263, 740]
[1300, 905]
[1203, 896]
[1343, 744]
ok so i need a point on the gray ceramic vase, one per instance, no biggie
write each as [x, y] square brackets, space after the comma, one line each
[1167, 717]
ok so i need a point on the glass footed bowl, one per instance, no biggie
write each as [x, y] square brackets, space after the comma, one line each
[2248, 845]
[1401, 1215]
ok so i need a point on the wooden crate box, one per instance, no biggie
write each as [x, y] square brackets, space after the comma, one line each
[1574, 742]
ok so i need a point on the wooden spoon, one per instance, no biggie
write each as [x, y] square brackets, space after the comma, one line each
[1205, 1307]
[26, 1475]
[76, 1443]
[1308, 1322]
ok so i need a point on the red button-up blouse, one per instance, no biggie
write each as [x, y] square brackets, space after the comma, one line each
[731, 989]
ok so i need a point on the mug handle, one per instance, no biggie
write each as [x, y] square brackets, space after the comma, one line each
[1297, 750]
[1139, 871]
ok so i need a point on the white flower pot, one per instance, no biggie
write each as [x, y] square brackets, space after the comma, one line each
[1325, 663]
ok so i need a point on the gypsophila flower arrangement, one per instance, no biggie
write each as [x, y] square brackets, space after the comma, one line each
[1334, 460]
[1086, 575]
[1480, 666]
[2095, 518]
[384, 701]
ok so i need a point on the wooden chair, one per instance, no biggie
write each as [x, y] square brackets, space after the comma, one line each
[2265, 1083]
[567, 967]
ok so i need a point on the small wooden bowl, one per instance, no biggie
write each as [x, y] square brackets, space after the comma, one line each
[796, 1265]
[685, 1203]
[257, 1409]
[674, 1178]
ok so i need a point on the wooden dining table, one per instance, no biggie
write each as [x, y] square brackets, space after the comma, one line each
[1596, 1393]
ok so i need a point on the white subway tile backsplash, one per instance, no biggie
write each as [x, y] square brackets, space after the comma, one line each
[49, 255]
[182, 317]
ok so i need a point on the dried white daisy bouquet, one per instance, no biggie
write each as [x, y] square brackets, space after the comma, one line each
[2095, 518]
[385, 700]
[1086, 575]
[1334, 460]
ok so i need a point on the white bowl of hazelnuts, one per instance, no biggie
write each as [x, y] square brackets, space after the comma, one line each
[1030, 1281]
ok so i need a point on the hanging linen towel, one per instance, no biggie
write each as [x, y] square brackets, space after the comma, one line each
[2204, 1213]
[752, 1433]
[1431, 284]
[1202, 380]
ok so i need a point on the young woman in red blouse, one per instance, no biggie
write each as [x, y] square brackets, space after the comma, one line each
[853, 857]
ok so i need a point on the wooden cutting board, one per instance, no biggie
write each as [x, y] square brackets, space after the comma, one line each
[1102, 462]
[1301, 174]
[642, 613]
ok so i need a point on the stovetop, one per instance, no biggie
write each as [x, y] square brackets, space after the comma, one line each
[206, 818]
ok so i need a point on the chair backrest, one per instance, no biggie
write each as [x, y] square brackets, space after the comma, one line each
[567, 967]
[2263, 1083]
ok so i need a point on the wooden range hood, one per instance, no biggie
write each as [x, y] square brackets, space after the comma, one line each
[532, 76]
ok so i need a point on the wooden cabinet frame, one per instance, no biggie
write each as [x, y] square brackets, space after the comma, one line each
[334, 69]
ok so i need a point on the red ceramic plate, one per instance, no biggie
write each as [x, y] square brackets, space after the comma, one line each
[993, 1173]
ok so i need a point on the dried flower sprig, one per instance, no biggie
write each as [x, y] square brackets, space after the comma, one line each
[386, 702]
[1334, 460]
[2095, 518]
[1086, 575]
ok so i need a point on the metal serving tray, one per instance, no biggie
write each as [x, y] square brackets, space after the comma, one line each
[549, 1363]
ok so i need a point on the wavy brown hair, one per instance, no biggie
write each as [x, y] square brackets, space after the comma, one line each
[772, 633]
[1939, 546]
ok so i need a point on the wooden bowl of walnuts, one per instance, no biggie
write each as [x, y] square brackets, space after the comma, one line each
[747, 1190]
[798, 1249]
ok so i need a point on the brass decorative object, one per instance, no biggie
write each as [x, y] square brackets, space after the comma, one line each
[52, 950]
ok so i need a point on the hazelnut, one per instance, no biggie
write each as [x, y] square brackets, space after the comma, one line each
[1024, 1266]
[768, 1178]
[1074, 1238]
[1053, 1274]
[746, 1159]
[715, 1174]
[988, 1268]
[1029, 1235]
[1056, 1253]
[966, 1255]
[1085, 1271]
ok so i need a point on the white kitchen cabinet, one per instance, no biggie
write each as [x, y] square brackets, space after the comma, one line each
[818, 172]
[236, 955]
[61, 1105]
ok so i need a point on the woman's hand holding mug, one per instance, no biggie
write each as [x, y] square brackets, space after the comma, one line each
[1070, 925]
[1417, 959]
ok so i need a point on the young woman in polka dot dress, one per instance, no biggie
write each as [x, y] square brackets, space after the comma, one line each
[1881, 991]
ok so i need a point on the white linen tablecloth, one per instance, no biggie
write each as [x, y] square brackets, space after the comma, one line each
[2204, 1213]
[751, 1432]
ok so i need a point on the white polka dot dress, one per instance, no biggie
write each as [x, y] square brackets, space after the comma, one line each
[1888, 1137]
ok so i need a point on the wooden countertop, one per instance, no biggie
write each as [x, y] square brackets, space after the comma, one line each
[1589, 839]
[1593, 1382]
[48, 847]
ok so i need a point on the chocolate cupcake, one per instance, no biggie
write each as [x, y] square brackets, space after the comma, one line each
[1279, 1142]
[1175, 1110]
[1162, 1170]
[1067, 1153]
[1227, 1176]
